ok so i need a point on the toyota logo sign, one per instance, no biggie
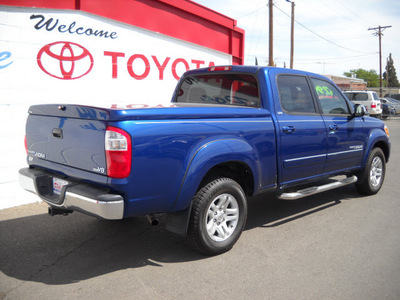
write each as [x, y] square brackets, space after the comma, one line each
[65, 60]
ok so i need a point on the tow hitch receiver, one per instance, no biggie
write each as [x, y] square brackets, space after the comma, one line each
[59, 211]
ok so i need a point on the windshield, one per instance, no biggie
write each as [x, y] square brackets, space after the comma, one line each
[220, 89]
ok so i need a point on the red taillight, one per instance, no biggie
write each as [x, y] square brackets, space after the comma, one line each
[220, 68]
[373, 105]
[26, 145]
[118, 152]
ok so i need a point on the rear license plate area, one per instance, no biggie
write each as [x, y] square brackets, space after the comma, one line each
[58, 184]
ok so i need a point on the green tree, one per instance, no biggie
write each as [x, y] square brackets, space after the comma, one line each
[390, 74]
[371, 77]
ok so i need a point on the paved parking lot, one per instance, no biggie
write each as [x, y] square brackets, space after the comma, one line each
[336, 245]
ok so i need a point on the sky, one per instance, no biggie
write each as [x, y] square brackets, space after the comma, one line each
[330, 36]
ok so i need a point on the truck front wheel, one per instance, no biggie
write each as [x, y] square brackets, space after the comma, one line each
[370, 179]
[219, 213]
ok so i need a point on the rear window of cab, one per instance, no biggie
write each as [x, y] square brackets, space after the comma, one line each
[220, 89]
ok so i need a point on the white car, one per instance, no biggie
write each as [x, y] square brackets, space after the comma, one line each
[369, 99]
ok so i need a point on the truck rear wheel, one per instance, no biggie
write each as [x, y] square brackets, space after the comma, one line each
[219, 213]
[370, 179]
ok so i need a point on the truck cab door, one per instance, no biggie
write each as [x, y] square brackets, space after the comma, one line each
[346, 137]
[301, 130]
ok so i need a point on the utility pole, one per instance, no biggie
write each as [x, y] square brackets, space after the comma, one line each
[387, 71]
[378, 32]
[291, 36]
[271, 34]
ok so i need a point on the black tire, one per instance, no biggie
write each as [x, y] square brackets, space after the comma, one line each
[370, 179]
[222, 206]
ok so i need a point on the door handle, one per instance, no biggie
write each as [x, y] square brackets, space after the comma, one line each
[288, 129]
[58, 133]
[333, 128]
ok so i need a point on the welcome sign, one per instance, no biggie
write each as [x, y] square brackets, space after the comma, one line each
[75, 57]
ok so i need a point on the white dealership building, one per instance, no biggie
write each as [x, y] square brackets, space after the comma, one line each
[99, 53]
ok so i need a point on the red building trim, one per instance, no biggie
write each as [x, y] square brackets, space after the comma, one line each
[182, 19]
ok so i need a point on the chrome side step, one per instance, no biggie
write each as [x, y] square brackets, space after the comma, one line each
[317, 189]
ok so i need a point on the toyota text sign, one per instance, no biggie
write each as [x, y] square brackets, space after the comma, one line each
[64, 57]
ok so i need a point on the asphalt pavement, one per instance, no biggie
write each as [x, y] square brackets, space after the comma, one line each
[336, 245]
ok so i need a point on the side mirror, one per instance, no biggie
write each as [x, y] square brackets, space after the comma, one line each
[359, 110]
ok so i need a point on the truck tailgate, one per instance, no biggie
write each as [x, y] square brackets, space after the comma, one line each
[65, 138]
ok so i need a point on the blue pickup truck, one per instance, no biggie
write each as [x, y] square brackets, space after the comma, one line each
[229, 132]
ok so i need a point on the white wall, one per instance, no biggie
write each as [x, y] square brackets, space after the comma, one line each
[54, 56]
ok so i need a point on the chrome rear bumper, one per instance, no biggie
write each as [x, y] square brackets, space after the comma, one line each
[76, 197]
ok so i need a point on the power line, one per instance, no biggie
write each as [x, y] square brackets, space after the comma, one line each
[357, 15]
[252, 12]
[312, 60]
[320, 36]
[253, 40]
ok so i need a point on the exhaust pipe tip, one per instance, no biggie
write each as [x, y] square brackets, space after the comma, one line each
[153, 220]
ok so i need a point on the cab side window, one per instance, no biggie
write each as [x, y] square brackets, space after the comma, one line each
[331, 100]
[295, 95]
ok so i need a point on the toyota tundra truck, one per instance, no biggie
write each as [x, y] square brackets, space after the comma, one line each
[230, 132]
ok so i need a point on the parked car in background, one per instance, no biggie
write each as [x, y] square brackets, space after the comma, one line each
[387, 110]
[369, 99]
[393, 96]
[392, 102]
